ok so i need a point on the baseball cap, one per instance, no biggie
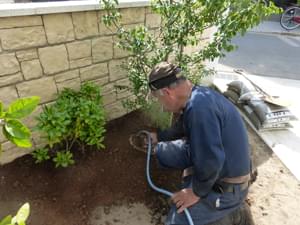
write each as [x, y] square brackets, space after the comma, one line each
[163, 74]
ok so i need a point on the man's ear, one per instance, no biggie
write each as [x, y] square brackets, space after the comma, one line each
[166, 91]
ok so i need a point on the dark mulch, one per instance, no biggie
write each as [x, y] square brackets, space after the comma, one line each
[67, 196]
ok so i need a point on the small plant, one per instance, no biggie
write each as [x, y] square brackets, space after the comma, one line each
[74, 117]
[40, 155]
[63, 159]
[18, 219]
[10, 120]
[157, 116]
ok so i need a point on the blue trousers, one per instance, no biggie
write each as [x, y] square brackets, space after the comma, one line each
[213, 207]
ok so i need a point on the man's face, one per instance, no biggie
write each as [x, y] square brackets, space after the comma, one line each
[167, 98]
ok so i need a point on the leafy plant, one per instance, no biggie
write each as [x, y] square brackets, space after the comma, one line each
[63, 159]
[13, 129]
[19, 219]
[183, 25]
[157, 116]
[74, 117]
[41, 155]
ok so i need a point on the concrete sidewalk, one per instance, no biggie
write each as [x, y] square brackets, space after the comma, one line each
[274, 27]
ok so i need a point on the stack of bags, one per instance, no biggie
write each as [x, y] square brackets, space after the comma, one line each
[263, 115]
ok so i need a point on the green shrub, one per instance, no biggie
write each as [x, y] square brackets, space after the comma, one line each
[74, 117]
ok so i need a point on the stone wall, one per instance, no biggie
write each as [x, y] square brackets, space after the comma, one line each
[42, 54]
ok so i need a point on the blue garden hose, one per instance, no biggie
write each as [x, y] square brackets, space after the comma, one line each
[188, 215]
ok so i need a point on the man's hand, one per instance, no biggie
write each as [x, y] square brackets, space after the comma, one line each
[184, 199]
[153, 138]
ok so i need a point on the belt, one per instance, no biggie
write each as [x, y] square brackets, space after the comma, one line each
[227, 187]
[236, 180]
[231, 180]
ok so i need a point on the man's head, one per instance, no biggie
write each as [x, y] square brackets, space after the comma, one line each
[171, 88]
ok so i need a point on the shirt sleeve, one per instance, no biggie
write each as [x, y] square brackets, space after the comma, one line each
[172, 133]
[207, 153]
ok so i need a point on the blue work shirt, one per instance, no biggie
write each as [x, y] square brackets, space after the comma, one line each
[217, 138]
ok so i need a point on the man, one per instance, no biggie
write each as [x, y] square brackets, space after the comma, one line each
[209, 142]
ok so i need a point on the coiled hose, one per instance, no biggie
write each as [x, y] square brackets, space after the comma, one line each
[188, 215]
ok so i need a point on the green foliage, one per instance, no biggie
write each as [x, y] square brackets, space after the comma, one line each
[13, 129]
[63, 159]
[19, 219]
[41, 155]
[157, 116]
[75, 116]
[184, 23]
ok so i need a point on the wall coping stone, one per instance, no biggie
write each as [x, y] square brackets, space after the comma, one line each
[40, 8]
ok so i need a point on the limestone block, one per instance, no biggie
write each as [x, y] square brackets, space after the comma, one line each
[27, 55]
[133, 15]
[73, 84]
[109, 94]
[44, 87]
[109, 98]
[103, 30]
[102, 81]
[115, 110]
[2, 138]
[108, 88]
[116, 72]
[8, 95]
[79, 49]
[20, 21]
[54, 59]
[153, 20]
[123, 93]
[11, 79]
[132, 26]
[118, 52]
[31, 69]
[20, 38]
[8, 64]
[94, 71]
[11, 152]
[31, 121]
[69, 75]
[102, 49]
[85, 24]
[59, 28]
[148, 10]
[77, 63]
[38, 140]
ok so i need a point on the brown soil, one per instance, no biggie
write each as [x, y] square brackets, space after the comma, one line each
[116, 176]
[67, 196]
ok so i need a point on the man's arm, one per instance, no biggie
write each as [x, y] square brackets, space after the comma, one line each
[172, 133]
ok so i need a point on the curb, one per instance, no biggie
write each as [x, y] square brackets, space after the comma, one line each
[276, 32]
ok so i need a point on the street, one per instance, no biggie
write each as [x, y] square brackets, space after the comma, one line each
[266, 54]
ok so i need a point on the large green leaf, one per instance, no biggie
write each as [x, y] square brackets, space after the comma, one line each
[23, 143]
[22, 107]
[1, 109]
[17, 129]
[6, 220]
[22, 214]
